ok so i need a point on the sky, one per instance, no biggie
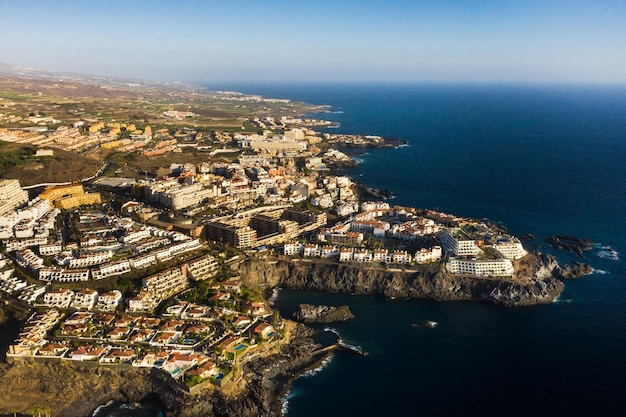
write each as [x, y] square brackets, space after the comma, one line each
[527, 41]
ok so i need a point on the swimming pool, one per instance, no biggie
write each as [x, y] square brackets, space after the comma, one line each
[239, 347]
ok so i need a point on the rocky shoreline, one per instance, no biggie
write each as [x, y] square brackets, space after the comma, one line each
[71, 389]
[537, 280]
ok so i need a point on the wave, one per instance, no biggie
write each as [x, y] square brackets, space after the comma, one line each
[558, 300]
[274, 297]
[331, 330]
[606, 252]
[98, 410]
[284, 402]
[599, 271]
[319, 369]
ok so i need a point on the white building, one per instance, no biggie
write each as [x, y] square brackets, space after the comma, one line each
[510, 248]
[166, 283]
[50, 249]
[141, 262]
[58, 298]
[25, 243]
[109, 301]
[480, 267]
[202, 268]
[111, 269]
[30, 293]
[311, 250]
[293, 248]
[428, 255]
[85, 299]
[11, 196]
[346, 254]
[27, 259]
[63, 275]
[457, 243]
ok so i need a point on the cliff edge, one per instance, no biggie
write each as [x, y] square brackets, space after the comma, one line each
[533, 283]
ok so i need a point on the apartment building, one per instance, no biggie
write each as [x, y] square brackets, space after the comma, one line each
[458, 243]
[108, 301]
[11, 196]
[58, 298]
[202, 268]
[85, 299]
[166, 283]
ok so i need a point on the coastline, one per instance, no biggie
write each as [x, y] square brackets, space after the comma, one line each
[534, 283]
[80, 388]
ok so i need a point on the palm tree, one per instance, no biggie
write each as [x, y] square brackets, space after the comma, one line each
[38, 410]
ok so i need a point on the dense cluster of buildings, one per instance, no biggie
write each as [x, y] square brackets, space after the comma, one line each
[31, 221]
[269, 227]
[480, 250]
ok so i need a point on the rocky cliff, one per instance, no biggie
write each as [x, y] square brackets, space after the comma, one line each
[69, 389]
[535, 285]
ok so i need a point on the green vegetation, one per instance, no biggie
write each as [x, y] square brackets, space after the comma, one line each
[12, 156]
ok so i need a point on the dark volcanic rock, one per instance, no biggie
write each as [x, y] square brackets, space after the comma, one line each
[536, 286]
[573, 244]
[76, 389]
[308, 313]
[576, 270]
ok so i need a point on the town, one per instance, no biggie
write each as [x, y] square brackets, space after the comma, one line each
[137, 265]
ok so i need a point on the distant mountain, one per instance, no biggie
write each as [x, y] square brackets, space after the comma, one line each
[99, 80]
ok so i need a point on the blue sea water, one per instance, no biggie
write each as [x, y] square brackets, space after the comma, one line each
[539, 159]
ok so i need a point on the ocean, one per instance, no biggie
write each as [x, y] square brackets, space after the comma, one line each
[539, 159]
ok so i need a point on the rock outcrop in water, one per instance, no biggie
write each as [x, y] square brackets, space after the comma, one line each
[575, 245]
[533, 284]
[308, 313]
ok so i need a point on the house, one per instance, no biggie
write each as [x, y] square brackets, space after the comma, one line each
[233, 285]
[79, 317]
[166, 338]
[241, 321]
[257, 309]
[229, 342]
[142, 336]
[52, 349]
[199, 328]
[194, 312]
[87, 353]
[104, 319]
[153, 359]
[118, 333]
[119, 355]
[148, 322]
[74, 329]
[179, 360]
[206, 370]
[263, 329]
[172, 325]
[126, 321]
[220, 296]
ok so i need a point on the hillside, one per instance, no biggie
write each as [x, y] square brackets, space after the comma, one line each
[18, 161]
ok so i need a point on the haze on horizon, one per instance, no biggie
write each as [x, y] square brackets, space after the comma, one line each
[534, 41]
